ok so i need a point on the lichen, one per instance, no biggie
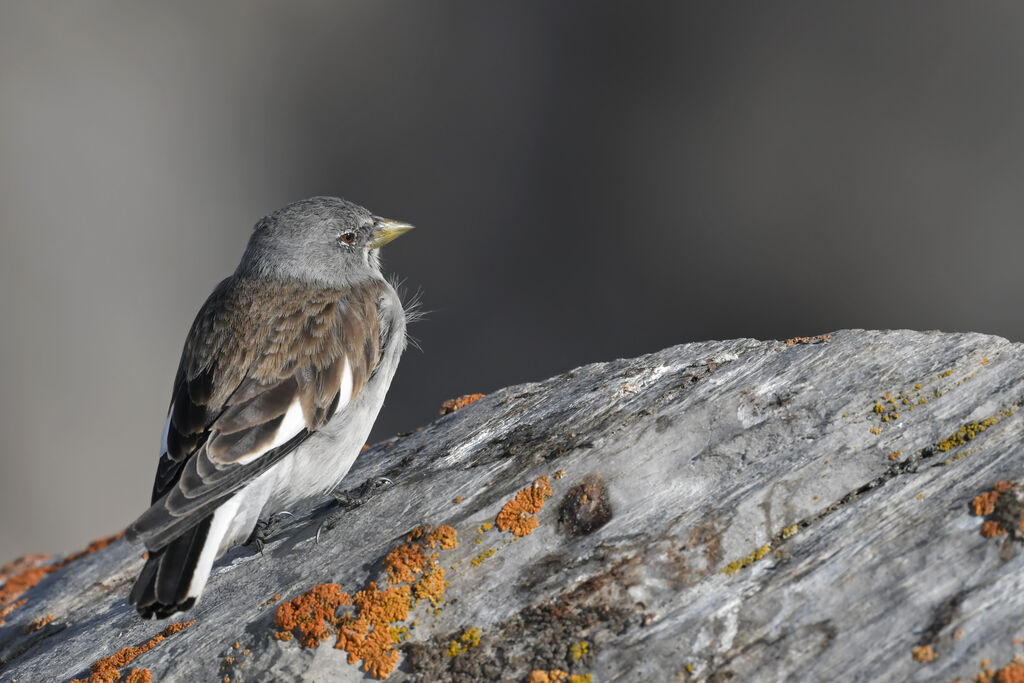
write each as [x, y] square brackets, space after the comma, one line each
[816, 339]
[578, 650]
[552, 676]
[453, 404]
[1005, 512]
[39, 623]
[444, 536]
[519, 515]
[430, 586]
[1011, 673]
[139, 676]
[966, 433]
[469, 639]
[312, 614]
[479, 559]
[106, 670]
[27, 571]
[382, 607]
[404, 563]
[370, 630]
[924, 654]
[744, 562]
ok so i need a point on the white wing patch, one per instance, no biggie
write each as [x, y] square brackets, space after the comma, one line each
[222, 518]
[345, 392]
[293, 423]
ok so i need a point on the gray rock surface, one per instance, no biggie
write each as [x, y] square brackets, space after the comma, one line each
[726, 510]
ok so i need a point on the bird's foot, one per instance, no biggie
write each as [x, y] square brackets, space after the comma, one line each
[350, 500]
[264, 529]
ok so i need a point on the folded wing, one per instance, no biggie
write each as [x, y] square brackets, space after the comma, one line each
[263, 368]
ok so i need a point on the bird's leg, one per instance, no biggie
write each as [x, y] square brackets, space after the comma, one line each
[350, 500]
[264, 529]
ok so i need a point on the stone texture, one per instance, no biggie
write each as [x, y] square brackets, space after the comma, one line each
[738, 510]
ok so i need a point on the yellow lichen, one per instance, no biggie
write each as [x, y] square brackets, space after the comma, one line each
[578, 650]
[430, 586]
[744, 562]
[479, 559]
[469, 639]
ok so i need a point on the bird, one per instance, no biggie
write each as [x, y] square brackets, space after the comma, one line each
[304, 337]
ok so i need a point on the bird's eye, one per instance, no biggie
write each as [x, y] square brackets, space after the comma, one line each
[347, 237]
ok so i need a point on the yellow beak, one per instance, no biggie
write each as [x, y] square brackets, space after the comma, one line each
[386, 231]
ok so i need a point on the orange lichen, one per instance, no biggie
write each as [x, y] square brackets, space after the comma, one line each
[93, 547]
[377, 650]
[404, 562]
[1011, 673]
[559, 474]
[818, 338]
[369, 630]
[985, 504]
[444, 536]
[106, 670]
[519, 515]
[376, 609]
[458, 499]
[19, 576]
[39, 623]
[453, 404]
[383, 607]
[553, 676]
[895, 455]
[139, 676]
[7, 609]
[312, 613]
[875, 430]
[430, 586]
[270, 600]
[924, 654]
[27, 571]
[992, 528]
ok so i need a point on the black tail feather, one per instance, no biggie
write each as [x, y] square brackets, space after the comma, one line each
[162, 587]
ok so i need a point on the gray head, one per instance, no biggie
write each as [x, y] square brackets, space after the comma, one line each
[323, 240]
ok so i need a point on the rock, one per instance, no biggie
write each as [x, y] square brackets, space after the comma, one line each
[736, 510]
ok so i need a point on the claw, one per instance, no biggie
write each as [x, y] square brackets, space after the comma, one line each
[265, 529]
[345, 501]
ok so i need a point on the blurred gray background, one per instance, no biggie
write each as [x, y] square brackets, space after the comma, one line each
[590, 181]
